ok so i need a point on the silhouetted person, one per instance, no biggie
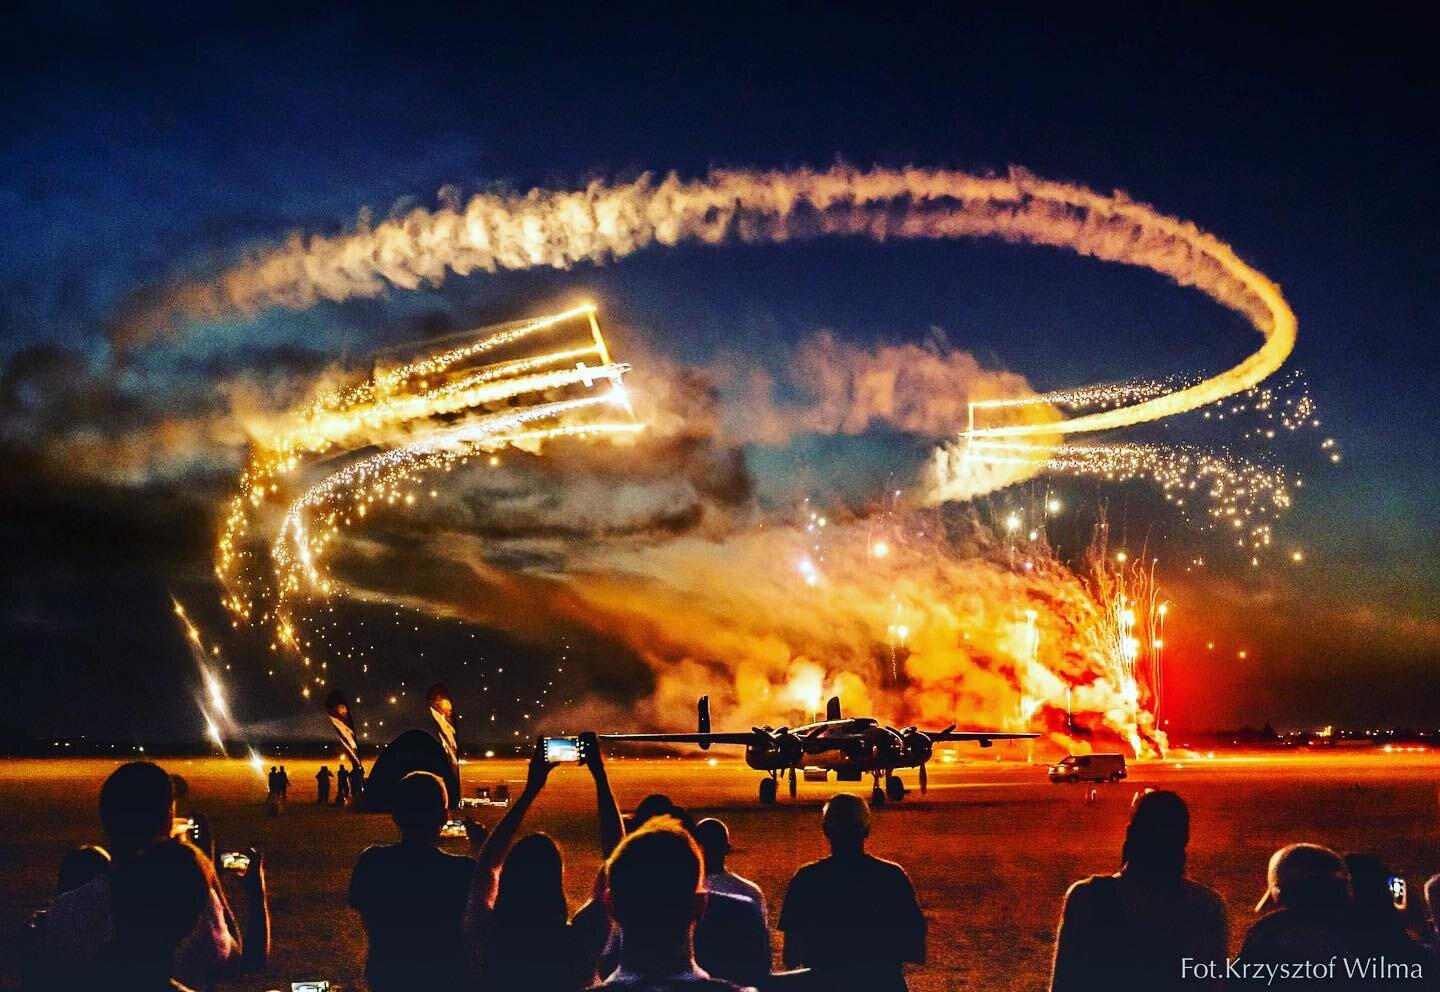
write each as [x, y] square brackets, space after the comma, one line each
[158, 898]
[1309, 909]
[322, 785]
[272, 797]
[1377, 927]
[852, 918]
[654, 890]
[342, 784]
[732, 939]
[282, 788]
[411, 896]
[518, 922]
[1432, 906]
[82, 865]
[1133, 929]
[137, 810]
[713, 836]
[357, 782]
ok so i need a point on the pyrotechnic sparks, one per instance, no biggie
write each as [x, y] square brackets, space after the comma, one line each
[1069, 643]
[1239, 497]
[429, 415]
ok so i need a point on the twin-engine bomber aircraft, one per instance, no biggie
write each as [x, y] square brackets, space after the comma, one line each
[850, 747]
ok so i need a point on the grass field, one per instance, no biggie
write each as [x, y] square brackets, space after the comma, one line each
[991, 848]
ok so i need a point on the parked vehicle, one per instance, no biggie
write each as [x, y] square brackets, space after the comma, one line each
[1089, 768]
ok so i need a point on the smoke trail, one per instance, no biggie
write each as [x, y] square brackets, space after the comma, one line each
[604, 222]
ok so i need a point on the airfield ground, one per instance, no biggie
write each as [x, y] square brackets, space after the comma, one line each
[991, 848]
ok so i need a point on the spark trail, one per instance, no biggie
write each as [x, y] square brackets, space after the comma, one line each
[425, 415]
[605, 221]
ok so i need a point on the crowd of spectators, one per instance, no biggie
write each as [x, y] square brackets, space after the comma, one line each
[147, 912]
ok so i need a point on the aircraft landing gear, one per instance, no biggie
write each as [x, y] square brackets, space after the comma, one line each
[769, 788]
[893, 792]
[792, 781]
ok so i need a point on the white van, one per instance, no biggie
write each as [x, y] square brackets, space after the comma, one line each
[1089, 768]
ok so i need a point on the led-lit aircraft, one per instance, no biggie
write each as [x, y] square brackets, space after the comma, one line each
[851, 747]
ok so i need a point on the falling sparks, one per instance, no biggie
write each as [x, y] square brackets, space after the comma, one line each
[426, 416]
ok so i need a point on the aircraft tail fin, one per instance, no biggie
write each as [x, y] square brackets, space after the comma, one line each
[703, 708]
[832, 708]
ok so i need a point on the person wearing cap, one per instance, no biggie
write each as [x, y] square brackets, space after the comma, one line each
[852, 918]
[1307, 907]
[1147, 925]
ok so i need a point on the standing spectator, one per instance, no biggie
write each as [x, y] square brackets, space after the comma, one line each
[852, 918]
[272, 797]
[713, 836]
[1432, 905]
[1133, 929]
[517, 922]
[1377, 927]
[732, 938]
[357, 782]
[411, 896]
[137, 810]
[342, 784]
[322, 785]
[654, 890]
[1309, 918]
[282, 788]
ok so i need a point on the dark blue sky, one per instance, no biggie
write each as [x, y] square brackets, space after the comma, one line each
[144, 141]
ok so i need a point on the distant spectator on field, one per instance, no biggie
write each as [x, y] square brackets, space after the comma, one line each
[137, 810]
[732, 939]
[411, 896]
[322, 785]
[713, 836]
[357, 782]
[517, 923]
[282, 786]
[272, 796]
[852, 918]
[655, 893]
[342, 784]
[81, 865]
[1308, 909]
[1133, 929]
[1378, 926]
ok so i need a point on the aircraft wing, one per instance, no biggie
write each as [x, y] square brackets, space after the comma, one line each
[746, 737]
[939, 736]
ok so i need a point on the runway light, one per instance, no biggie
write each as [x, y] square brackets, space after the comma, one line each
[712, 762]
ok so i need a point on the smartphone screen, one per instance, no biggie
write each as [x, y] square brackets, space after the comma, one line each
[562, 750]
[236, 861]
[1397, 892]
[309, 987]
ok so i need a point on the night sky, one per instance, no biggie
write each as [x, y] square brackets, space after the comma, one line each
[142, 144]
